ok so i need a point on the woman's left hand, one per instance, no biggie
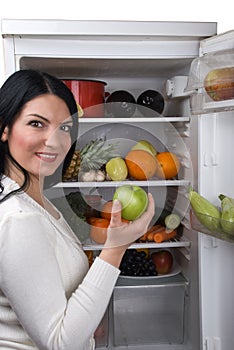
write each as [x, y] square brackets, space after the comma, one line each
[120, 233]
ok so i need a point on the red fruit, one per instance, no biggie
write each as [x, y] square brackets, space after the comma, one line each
[163, 261]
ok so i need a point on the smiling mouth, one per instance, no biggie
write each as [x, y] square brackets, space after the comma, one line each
[47, 157]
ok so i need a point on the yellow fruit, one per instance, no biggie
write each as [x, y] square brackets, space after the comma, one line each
[117, 169]
[145, 146]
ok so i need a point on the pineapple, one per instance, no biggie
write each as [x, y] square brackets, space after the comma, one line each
[93, 156]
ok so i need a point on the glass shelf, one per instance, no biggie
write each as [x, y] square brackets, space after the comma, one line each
[174, 243]
[150, 183]
[135, 119]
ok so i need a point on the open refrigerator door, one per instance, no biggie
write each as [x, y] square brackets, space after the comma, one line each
[211, 82]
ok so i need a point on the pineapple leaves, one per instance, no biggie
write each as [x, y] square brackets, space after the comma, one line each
[96, 153]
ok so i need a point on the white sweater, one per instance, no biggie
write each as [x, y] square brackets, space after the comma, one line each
[48, 297]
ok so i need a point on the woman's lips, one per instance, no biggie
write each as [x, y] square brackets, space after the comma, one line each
[47, 157]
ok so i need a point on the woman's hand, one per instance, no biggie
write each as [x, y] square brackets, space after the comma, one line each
[123, 234]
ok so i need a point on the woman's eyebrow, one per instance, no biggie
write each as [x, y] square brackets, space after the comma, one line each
[37, 115]
[66, 121]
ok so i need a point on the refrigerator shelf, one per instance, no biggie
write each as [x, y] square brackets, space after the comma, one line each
[150, 183]
[134, 120]
[174, 243]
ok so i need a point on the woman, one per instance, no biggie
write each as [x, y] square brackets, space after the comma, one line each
[49, 299]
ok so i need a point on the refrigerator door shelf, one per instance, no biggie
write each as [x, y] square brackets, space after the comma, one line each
[215, 224]
[211, 82]
[201, 103]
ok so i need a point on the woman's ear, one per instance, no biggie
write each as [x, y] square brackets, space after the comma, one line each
[4, 136]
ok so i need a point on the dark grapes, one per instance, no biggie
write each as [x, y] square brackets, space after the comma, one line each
[135, 263]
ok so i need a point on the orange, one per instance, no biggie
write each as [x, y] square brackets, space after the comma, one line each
[141, 164]
[168, 165]
[106, 210]
[98, 229]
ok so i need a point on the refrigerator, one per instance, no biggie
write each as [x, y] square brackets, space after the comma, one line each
[194, 307]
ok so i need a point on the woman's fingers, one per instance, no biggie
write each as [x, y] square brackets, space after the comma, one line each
[147, 216]
[116, 220]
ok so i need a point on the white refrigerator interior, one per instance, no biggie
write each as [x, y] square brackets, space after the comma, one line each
[194, 308]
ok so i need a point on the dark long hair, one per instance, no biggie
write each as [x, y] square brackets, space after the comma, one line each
[20, 88]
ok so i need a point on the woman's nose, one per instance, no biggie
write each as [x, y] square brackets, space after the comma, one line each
[52, 138]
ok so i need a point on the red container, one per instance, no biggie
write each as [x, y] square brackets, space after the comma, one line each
[90, 94]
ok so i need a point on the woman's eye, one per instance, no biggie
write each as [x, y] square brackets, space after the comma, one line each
[36, 124]
[66, 128]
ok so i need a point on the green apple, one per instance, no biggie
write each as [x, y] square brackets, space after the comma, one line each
[117, 169]
[145, 146]
[134, 201]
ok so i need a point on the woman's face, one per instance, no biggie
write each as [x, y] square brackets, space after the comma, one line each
[40, 136]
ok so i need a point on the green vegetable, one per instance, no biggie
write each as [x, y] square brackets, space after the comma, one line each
[207, 214]
[172, 221]
[73, 208]
[227, 214]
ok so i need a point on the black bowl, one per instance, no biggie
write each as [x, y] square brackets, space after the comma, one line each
[151, 99]
[121, 104]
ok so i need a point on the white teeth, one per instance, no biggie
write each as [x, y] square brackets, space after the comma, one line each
[47, 156]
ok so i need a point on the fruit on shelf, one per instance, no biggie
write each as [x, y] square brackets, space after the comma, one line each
[141, 164]
[163, 261]
[207, 214]
[93, 156]
[71, 173]
[98, 229]
[116, 169]
[145, 146]
[134, 201]
[219, 84]
[168, 165]
[227, 214]
[106, 209]
[137, 263]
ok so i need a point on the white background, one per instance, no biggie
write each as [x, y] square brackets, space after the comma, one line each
[219, 11]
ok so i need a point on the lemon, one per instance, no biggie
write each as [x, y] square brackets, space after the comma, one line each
[116, 169]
